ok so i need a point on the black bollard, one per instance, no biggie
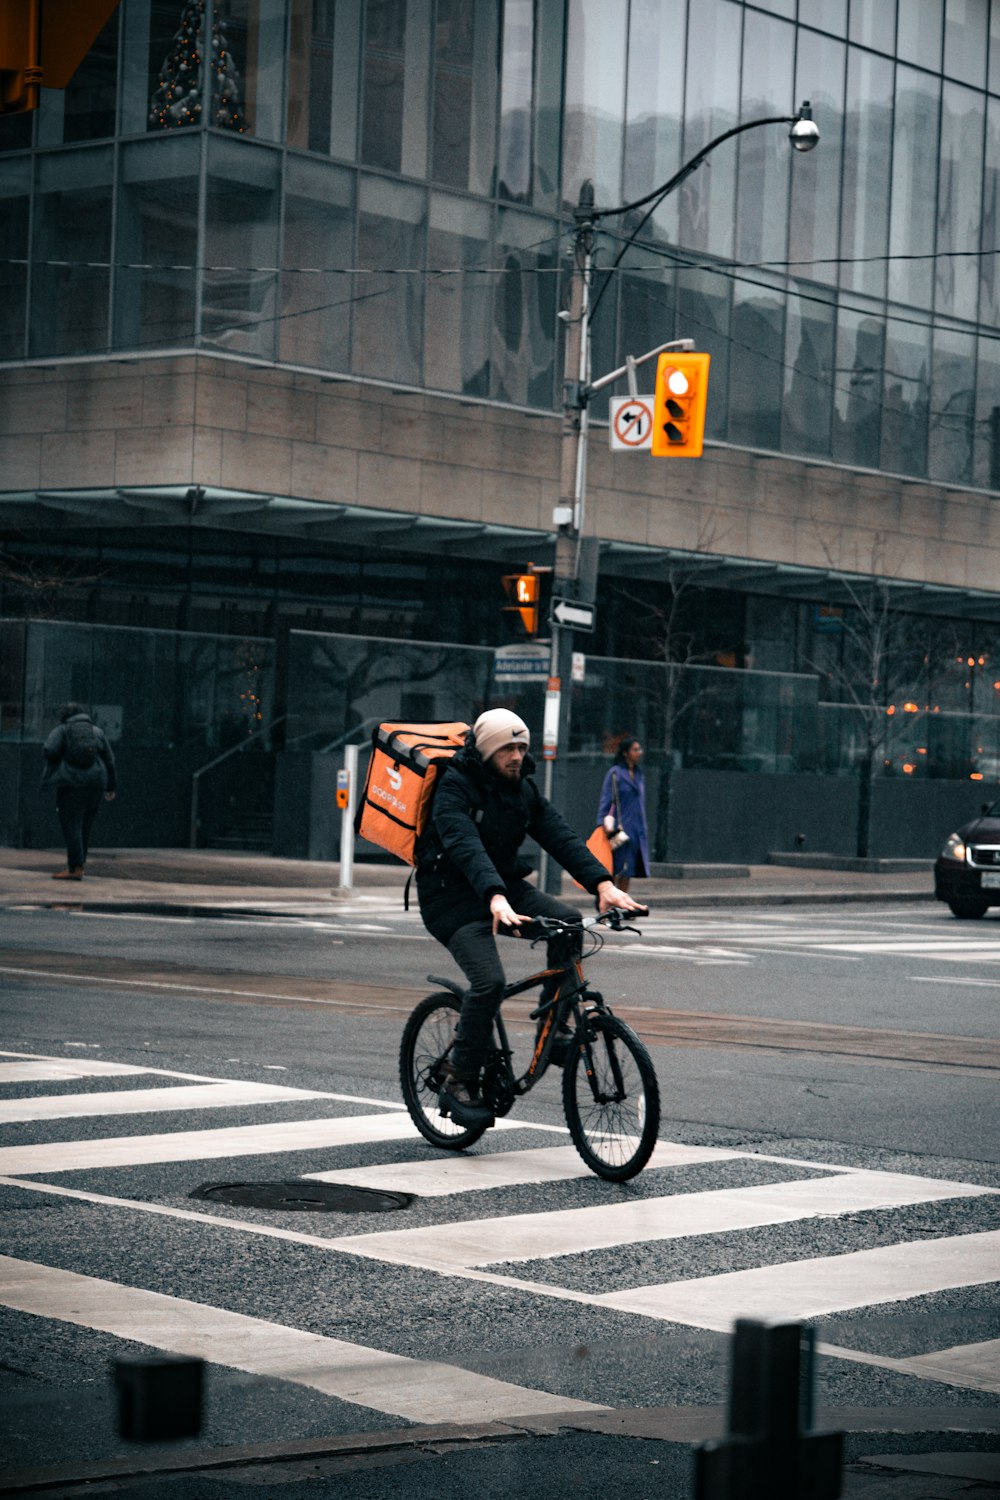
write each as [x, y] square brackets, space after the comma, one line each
[159, 1397]
[770, 1453]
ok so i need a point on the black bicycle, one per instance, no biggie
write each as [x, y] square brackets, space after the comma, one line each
[611, 1098]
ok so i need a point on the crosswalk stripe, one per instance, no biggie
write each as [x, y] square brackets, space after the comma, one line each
[815, 1288]
[48, 1070]
[975, 1367]
[459, 1174]
[418, 1390]
[204, 1145]
[225, 1095]
[519, 1237]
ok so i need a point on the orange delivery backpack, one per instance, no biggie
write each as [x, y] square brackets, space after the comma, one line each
[395, 802]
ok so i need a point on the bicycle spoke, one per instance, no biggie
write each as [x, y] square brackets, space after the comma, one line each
[613, 1113]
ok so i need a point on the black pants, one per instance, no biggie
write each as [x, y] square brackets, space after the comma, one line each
[77, 808]
[474, 949]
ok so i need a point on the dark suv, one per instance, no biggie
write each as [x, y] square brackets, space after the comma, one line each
[967, 871]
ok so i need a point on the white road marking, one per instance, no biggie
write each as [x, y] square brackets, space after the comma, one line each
[207, 1145]
[827, 1284]
[441, 1176]
[195, 989]
[48, 1070]
[417, 1390]
[150, 1101]
[520, 1237]
[975, 1367]
[989, 984]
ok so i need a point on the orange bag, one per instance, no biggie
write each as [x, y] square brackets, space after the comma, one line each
[600, 847]
[395, 802]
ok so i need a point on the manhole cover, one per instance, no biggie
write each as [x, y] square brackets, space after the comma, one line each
[303, 1197]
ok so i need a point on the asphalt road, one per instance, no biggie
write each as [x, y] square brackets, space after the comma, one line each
[820, 1051]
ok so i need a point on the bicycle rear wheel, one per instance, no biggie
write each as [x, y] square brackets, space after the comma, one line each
[613, 1118]
[427, 1038]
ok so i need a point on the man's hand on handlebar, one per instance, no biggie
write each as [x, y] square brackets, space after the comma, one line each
[504, 915]
[610, 898]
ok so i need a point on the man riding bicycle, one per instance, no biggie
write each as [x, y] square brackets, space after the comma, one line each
[471, 882]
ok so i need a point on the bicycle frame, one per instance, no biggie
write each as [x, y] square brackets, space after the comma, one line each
[573, 987]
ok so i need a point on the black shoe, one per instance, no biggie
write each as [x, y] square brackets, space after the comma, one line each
[457, 1100]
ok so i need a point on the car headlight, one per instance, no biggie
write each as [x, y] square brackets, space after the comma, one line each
[954, 849]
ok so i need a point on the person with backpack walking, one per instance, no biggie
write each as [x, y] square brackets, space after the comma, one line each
[471, 883]
[80, 765]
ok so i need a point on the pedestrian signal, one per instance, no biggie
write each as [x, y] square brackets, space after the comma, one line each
[42, 45]
[522, 590]
[679, 405]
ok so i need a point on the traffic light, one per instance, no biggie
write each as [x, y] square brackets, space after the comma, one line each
[679, 405]
[42, 44]
[522, 590]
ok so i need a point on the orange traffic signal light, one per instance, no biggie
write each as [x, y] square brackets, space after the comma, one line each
[679, 405]
[42, 43]
[522, 589]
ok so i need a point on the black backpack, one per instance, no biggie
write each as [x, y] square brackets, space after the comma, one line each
[81, 744]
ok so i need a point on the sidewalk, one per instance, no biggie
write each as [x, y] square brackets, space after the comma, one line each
[214, 879]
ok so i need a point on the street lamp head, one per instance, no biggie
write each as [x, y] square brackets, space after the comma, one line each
[804, 134]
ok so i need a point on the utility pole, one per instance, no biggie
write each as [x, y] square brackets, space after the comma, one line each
[568, 515]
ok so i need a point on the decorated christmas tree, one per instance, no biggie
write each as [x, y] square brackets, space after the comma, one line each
[177, 98]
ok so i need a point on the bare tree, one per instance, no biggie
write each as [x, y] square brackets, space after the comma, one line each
[881, 671]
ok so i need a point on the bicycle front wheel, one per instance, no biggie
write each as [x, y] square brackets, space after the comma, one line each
[427, 1039]
[613, 1116]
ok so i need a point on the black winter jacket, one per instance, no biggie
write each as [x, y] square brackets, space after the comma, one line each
[472, 849]
[101, 775]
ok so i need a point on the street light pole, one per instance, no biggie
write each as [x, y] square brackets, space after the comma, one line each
[568, 516]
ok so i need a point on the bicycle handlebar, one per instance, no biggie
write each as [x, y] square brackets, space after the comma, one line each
[540, 927]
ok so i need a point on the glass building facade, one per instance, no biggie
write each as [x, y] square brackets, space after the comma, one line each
[381, 188]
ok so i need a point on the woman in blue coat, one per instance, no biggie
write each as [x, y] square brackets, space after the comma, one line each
[623, 804]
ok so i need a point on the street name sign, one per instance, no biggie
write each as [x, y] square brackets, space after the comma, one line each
[528, 662]
[631, 425]
[571, 613]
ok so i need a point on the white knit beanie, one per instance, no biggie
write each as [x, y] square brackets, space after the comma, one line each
[496, 727]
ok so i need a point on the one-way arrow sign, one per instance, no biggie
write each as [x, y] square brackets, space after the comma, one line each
[572, 612]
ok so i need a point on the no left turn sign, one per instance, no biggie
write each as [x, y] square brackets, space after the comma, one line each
[631, 423]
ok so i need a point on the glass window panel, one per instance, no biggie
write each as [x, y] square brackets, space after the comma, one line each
[310, 74]
[707, 198]
[89, 99]
[825, 15]
[949, 456]
[986, 469]
[965, 39]
[247, 86]
[906, 398]
[994, 49]
[157, 230]
[647, 313]
[451, 127]
[857, 408]
[959, 201]
[703, 314]
[595, 94]
[388, 313]
[867, 154]
[873, 24]
[809, 375]
[550, 46]
[458, 307]
[524, 309]
[485, 93]
[516, 99]
[989, 261]
[654, 105]
[241, 239]
[15, 132]
[15, 202]
[383, 79]
[318, 238]
[69, 302]
[756, 374]
[764, 155]
[814, 221]
[914, 179]
[779, 7]
[921, 24]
